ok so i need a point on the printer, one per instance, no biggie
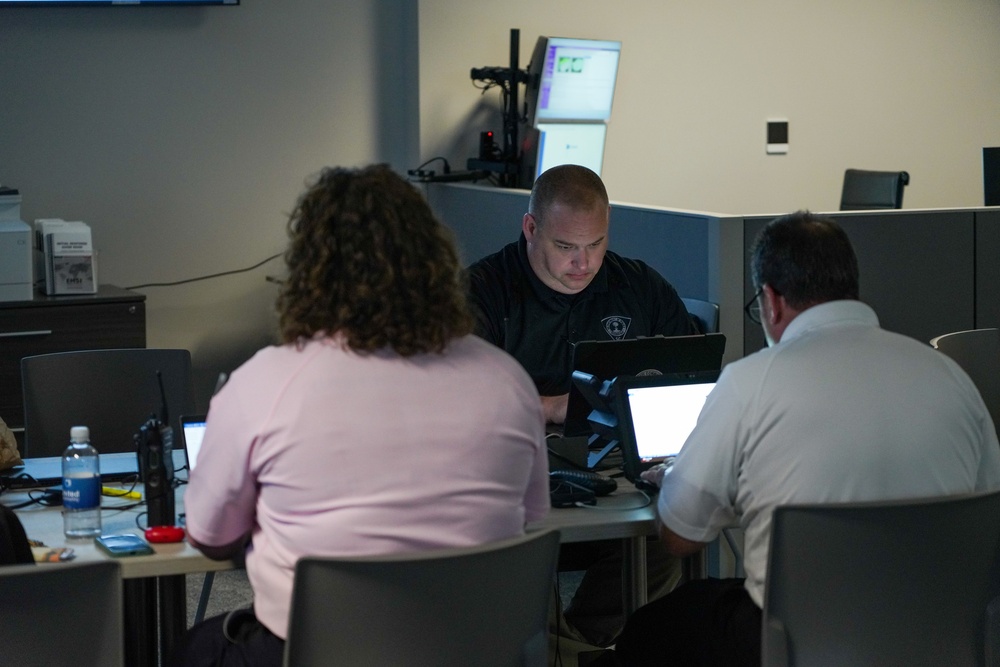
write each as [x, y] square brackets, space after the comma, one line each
[16, 273]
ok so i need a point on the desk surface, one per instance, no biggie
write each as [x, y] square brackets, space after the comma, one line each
[624, 514]
[46, 525]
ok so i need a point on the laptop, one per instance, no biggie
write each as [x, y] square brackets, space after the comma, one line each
[657, 414]
[47, 471]
[655, 355]
[192, 432]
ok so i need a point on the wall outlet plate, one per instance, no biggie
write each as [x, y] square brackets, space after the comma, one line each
[777, 136]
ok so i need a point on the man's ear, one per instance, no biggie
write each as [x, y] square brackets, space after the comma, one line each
[776, 306]
[529, 226]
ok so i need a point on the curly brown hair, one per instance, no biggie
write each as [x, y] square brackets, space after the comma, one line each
[368, 259]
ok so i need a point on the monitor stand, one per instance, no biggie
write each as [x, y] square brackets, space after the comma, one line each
[595, 456]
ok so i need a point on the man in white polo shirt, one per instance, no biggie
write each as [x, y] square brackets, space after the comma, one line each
[836, 409]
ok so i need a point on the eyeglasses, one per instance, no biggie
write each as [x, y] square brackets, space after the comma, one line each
[752, 309]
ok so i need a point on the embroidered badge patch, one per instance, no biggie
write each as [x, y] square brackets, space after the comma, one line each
[616, 326]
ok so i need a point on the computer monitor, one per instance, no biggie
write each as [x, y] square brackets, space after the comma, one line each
[571, 80]
[991, 176]
[570, 143]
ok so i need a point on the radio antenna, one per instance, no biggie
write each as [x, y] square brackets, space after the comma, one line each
[164, 415]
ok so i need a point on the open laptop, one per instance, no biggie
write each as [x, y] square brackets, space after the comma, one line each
[192, 432]
[657, 414]
[655, 355]
[47, 471]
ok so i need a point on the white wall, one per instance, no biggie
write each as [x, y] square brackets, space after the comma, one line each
[183, 136]
[885, 84]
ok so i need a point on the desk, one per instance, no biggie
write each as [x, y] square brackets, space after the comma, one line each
[155, 592]
[626, 514]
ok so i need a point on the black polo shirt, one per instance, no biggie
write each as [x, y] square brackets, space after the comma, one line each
[539, 326]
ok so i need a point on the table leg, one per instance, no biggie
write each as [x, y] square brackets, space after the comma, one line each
[172, 598]
[155, 618]
[634, 584]
[140, 622]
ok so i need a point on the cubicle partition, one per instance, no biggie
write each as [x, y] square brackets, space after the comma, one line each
[926, 272]
[917, 269]
[987, 268]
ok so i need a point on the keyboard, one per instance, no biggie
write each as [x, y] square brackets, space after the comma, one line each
[599, 484]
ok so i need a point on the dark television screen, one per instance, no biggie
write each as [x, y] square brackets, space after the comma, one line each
[116, 3]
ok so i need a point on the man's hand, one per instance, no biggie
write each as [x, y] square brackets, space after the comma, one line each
[655, 474]
[554, 408]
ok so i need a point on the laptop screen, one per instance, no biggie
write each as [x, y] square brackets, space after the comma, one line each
[657, 415]
[192, 430]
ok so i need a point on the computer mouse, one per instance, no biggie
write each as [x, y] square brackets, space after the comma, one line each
[164, 534]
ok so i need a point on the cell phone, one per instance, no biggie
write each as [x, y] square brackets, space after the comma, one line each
[124, 545]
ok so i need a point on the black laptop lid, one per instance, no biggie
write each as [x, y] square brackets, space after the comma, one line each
[657, 414]
[608, 359]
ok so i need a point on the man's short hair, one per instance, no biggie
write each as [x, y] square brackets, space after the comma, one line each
[568, 184]
[805, 258]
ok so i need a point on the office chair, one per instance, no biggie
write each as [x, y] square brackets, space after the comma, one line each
[977, 351]
[484, 605]
[59, 614]
[704, 313]
[897, 583]
[872, 189]
[14, 546]
[111, 391]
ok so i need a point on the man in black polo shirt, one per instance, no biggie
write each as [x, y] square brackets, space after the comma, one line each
[559, 284]
[537, 297]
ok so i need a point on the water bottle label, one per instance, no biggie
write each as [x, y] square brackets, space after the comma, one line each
[81, 492]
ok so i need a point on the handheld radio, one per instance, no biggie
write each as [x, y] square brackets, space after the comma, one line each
[154, 448]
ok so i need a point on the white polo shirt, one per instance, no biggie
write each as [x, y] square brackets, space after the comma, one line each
[839, 411]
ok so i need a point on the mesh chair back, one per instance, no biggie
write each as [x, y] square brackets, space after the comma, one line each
[484, 606]
[705, 314]
[111, 391]
[62, 614]
[898, 583]
[977, 351]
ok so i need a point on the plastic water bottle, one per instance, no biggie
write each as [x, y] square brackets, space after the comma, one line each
[81, 486]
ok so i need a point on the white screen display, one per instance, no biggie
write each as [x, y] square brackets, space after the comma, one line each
[663, 417]
[577, 80]
[193, 434]
[571, 143]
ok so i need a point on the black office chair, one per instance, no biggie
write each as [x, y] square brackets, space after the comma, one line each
[865, 190]
[895, 583]
[111, 391]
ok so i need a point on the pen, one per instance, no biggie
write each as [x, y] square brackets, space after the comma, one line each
[120, 493]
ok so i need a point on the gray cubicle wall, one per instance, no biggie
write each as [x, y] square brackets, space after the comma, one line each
[987, 268]
[699, 253]
[918, 269]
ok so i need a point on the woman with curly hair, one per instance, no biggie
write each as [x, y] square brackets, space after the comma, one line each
[380, 424]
